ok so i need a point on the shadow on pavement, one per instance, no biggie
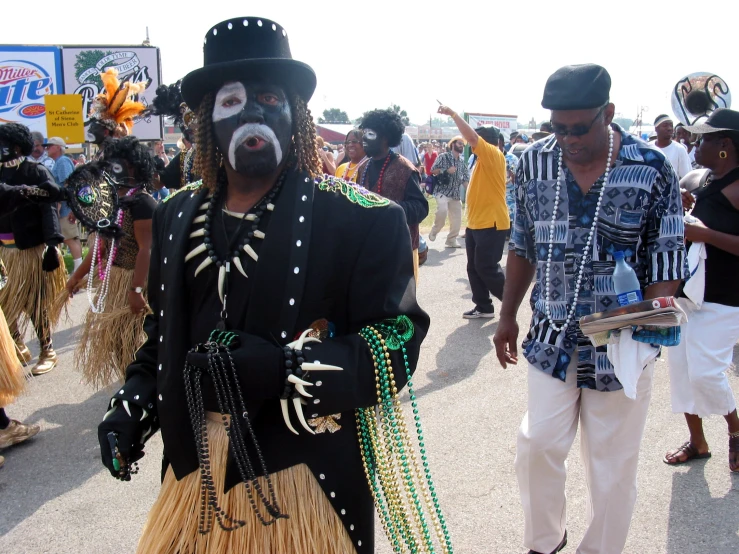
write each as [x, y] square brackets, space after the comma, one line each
[700, 523]
[460, 356]
[58, 460]
[437, 257]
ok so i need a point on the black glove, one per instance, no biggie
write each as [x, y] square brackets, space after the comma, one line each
[51, 258]
[55, 193]
[128, 430]
[259, 364]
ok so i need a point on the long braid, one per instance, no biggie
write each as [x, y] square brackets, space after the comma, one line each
[207, 157]
[305, 138]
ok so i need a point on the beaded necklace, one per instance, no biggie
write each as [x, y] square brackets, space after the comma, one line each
[97, 305]
[390, 156]
[349, 167]
[584, 258]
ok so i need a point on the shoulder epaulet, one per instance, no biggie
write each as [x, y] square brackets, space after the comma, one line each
[194, 187]
[356, 194]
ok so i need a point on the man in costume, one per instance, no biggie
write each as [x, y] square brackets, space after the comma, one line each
[168, 103]
[391, 175]
[29, 237]
[582, 194]
[12, 380]
[265, 327]
[113, 328]
[113, 111]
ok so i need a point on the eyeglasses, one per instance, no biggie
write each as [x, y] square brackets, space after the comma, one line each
[577, 130]
[348, 142]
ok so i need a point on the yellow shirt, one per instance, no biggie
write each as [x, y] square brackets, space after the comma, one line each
[486, 205]
[351, 171]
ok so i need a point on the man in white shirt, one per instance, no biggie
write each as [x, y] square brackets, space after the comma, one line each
[673, 151]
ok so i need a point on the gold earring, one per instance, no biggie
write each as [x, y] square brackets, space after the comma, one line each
[723, 155]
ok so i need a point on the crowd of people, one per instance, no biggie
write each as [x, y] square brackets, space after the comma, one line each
[255, 294]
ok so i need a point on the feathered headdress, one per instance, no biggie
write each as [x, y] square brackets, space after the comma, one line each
[168, 102]
[114, 106]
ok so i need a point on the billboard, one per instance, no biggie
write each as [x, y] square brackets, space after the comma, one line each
[27, 74]
[83, 65]
[506, 123]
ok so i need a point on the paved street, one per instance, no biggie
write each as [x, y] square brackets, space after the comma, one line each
[55, 496]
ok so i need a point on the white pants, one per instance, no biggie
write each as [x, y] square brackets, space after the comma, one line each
[612, 430]
[444, 206]
[698, 364]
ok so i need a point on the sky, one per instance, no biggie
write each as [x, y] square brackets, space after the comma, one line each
[479, 56]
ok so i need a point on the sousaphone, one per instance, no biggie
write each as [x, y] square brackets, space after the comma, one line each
[697, 95]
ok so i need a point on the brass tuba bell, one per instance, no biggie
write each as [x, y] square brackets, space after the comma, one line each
[697, 95]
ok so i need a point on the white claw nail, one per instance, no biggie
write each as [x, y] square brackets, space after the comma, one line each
[108, 413]
[308, 366]
[146, 434]
[144, 415]
[128, 410]
[286, 415]
[301, 417]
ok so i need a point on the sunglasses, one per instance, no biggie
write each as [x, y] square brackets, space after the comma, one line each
[577, 130]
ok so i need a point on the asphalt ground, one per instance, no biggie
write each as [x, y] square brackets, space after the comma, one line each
[55, 496]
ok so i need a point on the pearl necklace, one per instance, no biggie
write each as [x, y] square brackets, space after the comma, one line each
[356, 168]
[560, 178]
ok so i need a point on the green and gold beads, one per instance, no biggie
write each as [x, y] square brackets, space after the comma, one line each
[401, 487]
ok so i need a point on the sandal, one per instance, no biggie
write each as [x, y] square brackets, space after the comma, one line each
[733, 448]
[690, 451]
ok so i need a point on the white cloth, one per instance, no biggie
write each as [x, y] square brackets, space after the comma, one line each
[612, 430]
[696, 285]
[678, 156]
[698, 364]
[629, 358]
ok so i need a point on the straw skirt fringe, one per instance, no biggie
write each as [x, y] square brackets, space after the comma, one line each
[12, 380]
[110, 340]
[30, 291]
[313, 526]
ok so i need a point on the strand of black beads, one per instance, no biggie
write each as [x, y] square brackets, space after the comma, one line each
[276, 512]
[189, 375]
[206, 479]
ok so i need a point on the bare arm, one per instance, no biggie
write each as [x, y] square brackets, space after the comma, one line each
[465, 130]
[519, 273]
[698, 232]
[142, 234]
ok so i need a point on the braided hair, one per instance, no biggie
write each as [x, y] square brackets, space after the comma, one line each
[209, 159]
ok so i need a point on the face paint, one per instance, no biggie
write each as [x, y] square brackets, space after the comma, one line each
[120, 172]
[253, 126]
[6, 152]
[371, 143]
[98, 132]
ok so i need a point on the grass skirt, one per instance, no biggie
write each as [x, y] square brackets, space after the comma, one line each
[30, 291]
[12, 380]
[313, 526]
[109, 340]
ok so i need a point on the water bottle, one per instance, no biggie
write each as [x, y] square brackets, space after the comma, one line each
[625, 282]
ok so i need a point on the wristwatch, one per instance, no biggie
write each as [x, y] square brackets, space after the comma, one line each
[137, 290]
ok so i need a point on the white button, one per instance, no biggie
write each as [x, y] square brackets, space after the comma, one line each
[299, 243]
[333, 494]
[351, 527]
[296, 270]
[165, 260]
[292, 301]
[170, 237]
[321, 476]
[121, 392]
[162, 286]
[136, 397]
[319, 383]
[343, 512]
[161, 339]
[301, 219]
[307, 180]
[304, 198]
[192, 195]
[283, 334]
[160, 397]
[161, 313]
[179, 214]
[317, 401]
[160, 367]
[359, 543]
[274, 27]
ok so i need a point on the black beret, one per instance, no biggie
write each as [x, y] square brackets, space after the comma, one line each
[577, 87]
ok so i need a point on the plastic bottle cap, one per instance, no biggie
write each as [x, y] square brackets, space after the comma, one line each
[618, 255]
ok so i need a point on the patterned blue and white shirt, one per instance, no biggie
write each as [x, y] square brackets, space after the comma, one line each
[641, 214]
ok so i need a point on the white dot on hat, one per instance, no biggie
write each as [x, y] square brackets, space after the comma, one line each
[215, 31]
[205, 40]
[230, 26]
[246, 23]
[284, 33]
[274, 27]
[259, 22]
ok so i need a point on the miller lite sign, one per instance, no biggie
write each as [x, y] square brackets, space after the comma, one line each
[27, 74]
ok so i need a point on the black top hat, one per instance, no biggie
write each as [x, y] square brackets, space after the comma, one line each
[722, 119]
[247, 48]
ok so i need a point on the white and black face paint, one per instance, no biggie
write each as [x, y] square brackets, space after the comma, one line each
[6, 152]
[371, 143]
[253, 126]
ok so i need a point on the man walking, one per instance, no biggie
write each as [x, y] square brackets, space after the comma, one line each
[673, 151]
[581, 195]
[448, 194]
[487, 216]
[63, 168]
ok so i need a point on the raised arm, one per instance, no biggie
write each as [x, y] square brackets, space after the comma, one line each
[465, 130]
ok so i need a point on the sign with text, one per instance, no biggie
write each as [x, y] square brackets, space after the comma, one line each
[64, 117]
[83, 65]
[27, 74]
[506, 123]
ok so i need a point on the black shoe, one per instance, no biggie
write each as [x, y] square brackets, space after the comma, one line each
[475, 314]
[559, 547]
